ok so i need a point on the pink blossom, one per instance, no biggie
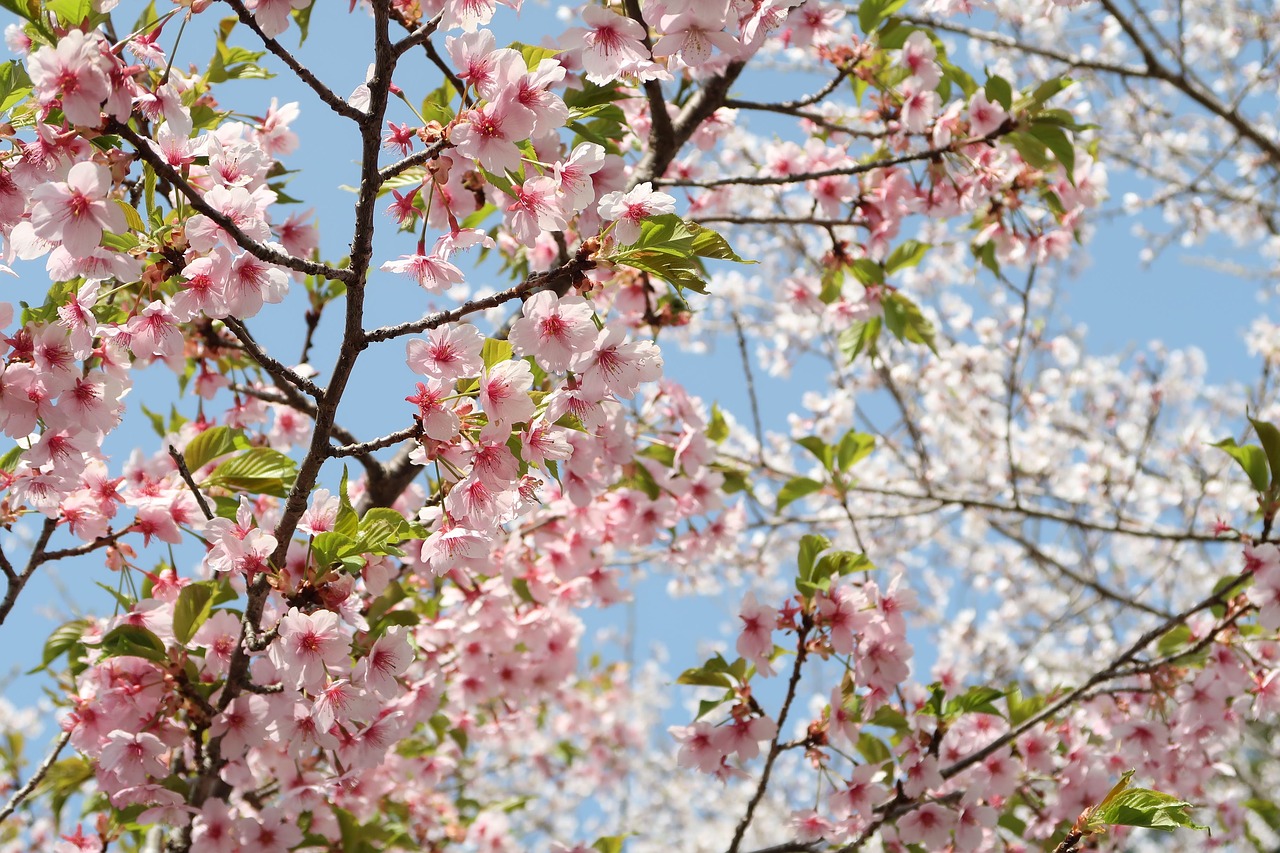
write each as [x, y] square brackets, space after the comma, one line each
[554, 330]
[984, 116]
[307, 646]
[386, 661]
[75, 213]
[617, 366]
[133, 757]
[321, 515]
[450, 352]
[491, 132]
[631, 208]
[610, 43]
[155, 332]
[929, 825]
[432, 272]
[535, 210]
[860, 795]
[273, 15]
[504, 392]
[755, 643]
[691, 34]
[75, 72]
[575, 173]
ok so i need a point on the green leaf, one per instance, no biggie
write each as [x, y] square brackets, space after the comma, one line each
[260, 470]
[853, 448]
[1022, 708]
[1173, 640]
[347, 523]
[380, 530]
[860, 337]
[976, 700]
[871, 13]
[64, 780]
[908, 254]
[132, 641]
[71, 12]
[131, 216]
[873, 749]
[710, 244]
[820, 450]
[15, 85]
[1047, 90]
[194, 604]
[9, 461]
[302, 17]
[495, 352]
[609, 843]
[667, 248]
[717, 429]
[811, 545]
[533, 55]
[235, 63]
[841, 563]
[210, 444]
[1146, 808]
[60, 641]
[1251, 458]
[796, 488]
[998, 91]
[701, 677]
[1033, 150]
[1057, 141]
[905, 320]
[867, 271]
[1270, 438]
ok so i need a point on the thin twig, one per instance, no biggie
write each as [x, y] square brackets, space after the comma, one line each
[277, 369]
[259, 250]
[185, 473]
[26, 790]
[377, 443]
[775, 748]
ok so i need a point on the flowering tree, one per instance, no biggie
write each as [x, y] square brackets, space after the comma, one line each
[990, 592]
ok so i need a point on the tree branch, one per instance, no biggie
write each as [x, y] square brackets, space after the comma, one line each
[185, 473]
[26, 790]
[775, 747]
[260, 251]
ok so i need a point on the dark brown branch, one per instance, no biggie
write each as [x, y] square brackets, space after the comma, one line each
[696, 110]
[365, 447]
[353, 343]
[1101, 589]
[80, 550]
[788, 106]
[276, 369]
[662, 141]
[416, 37]
[1182, 83]
[260, 251]
[775, 745]
[570, 273]
[185, 473]
[16, 581]
[855, 169]
[431, 152]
